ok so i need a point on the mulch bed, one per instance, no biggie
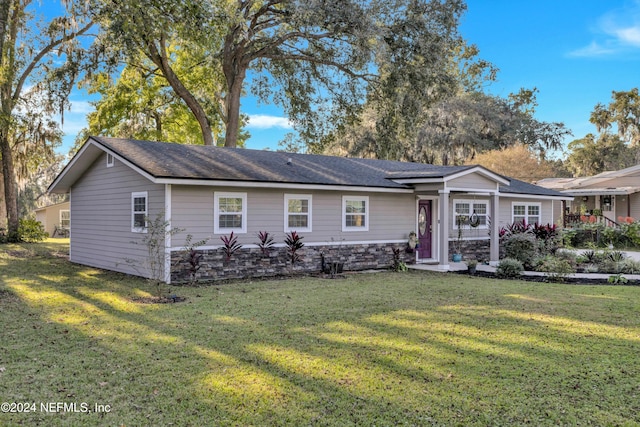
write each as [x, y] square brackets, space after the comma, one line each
[545, 279]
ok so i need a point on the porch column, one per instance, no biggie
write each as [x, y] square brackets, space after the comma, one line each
[443, 230]
[494, 248]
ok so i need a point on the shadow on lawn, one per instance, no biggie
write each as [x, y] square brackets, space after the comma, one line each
[348, 352]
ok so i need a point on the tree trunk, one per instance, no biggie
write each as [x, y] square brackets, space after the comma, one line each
[232, 107]
[10, 189]
[3, 205]
[159, 57]
[235, 70]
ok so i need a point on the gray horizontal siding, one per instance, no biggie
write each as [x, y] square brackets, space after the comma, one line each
[546, 210]
[101, 210]
[391, 216]
[472, 181]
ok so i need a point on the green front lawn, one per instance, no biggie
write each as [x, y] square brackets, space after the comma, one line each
[411, 348]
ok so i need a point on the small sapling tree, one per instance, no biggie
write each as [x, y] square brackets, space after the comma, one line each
[153, 265]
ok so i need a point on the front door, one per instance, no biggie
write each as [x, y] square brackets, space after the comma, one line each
[424, 229]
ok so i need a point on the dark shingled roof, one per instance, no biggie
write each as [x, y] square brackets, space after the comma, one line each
[167, 160]
[197, 162]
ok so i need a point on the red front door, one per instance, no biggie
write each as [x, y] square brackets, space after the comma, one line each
[424, 229]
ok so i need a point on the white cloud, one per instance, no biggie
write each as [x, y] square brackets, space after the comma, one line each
[263, 121]
[617, 31]
[594, 49]
[629, 35]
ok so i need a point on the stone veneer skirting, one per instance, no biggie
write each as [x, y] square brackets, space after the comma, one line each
[251, 262]
[472, 249]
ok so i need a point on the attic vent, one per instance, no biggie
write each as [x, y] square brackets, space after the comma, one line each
[289, 161]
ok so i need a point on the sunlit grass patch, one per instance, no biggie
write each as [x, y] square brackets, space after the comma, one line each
[372, 349]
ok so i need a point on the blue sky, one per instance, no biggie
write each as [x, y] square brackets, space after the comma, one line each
[574, 51]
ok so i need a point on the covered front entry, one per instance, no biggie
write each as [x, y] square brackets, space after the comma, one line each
[425, 231]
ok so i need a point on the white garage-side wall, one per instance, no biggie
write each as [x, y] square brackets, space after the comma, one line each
[102, 216]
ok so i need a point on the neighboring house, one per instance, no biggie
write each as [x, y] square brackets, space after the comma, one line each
[352, 210]
[612, 194]
[56, 219]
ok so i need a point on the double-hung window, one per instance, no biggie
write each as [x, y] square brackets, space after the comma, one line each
[527, 213]
[139, 212]
[355, 213]
[65, 219]
[472, 213]
[297, 212]
[230, 213]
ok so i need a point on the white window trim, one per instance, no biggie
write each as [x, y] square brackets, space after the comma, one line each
[306, 197]
[216, 212]
[110, 160]
[366, 213]
[526, 211]
[135, 195]
[65, 210]
[471, 203]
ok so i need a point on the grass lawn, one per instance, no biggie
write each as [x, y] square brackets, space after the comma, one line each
[381, 349]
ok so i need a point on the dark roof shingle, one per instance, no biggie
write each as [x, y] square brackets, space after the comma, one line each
[197, 162]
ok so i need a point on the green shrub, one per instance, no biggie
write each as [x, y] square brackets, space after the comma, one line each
[509, 268]
[521, 246]
[629, 266]
[31, 231]
[556, 267]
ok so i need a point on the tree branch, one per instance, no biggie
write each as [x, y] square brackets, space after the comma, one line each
[46, 50]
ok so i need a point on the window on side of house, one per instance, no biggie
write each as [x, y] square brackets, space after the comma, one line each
[230, 213]
[355, 213]
[471, 212]
[65, 219]
[109, 160]
[139, 212]
[297, 212]
[527, 213]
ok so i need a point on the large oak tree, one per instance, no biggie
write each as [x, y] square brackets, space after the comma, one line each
[39, 62]
[317, 59]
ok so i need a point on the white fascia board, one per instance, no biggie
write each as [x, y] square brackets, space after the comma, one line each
[438, 180]
[473, 191]
[443, 179]
[532, 196]
[85, 155]
[283, 185]
[481, 171]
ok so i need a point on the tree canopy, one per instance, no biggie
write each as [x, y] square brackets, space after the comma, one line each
[316, 59]
[623, 111]
[39, 63]
[592, 155]
[516, 161]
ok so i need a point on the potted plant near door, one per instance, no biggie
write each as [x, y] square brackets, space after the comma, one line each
[457, 246]
[472, 265]
[412, 243]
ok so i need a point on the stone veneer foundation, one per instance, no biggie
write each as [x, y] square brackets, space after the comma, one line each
[251, 262]
[472, 249]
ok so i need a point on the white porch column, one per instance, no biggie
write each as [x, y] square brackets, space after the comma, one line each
[443, 230]
[494, 245]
